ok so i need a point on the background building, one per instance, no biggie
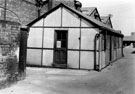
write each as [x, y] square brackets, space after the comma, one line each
[129, 40]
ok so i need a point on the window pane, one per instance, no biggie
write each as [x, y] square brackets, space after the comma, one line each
[58, 35]
[64, 35]
[63, 44]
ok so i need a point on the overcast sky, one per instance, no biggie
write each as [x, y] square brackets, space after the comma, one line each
[123, 12]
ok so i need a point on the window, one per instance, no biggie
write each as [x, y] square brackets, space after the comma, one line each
[61, 39]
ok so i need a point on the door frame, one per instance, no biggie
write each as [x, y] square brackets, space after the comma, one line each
[55, 36]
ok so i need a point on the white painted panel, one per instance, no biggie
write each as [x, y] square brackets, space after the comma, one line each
[87, 39]
[73, 59]
[35, 37]
[33, 57]
[119, 53]
[53, 19]
[87, 60]
[115, 55]
[103, 64]
[48, 38]
[73, 38]
[107, 56]
[85, 23]
[39, 23]
[69, 19]
[47, 57]
[112, 54]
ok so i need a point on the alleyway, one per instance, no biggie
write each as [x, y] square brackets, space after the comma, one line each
[118, 78]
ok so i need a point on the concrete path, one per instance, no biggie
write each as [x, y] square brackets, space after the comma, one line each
[118, 78]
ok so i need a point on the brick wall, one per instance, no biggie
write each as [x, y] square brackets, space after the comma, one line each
[25, 11]
[28, 12]
[9, 52]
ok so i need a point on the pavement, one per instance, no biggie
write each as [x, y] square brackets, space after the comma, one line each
[118, 78]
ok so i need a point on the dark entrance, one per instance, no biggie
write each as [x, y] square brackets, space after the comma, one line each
[110, 48]
[60, 49]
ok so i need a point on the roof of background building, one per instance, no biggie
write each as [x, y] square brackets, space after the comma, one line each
[129, 38]
[104, 18]
[88, 10]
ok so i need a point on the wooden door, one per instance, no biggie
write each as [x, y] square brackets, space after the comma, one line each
[60, 51]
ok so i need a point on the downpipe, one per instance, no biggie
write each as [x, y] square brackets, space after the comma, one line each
[96, 66]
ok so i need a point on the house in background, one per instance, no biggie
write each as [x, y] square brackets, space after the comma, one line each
[107, 20]
[128, 40]
[64, 37]
[91, 12]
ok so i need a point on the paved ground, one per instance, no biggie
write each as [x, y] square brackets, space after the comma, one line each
[116, 79]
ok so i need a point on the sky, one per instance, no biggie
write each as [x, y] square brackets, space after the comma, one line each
[123, 12]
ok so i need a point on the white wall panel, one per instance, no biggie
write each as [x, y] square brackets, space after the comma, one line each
[70, 19]
[115, 54]
[35, 37]
[87, 60]
[103, 63]
[39, 23]
[87, 39]
[47, 57]
[53, 19]
[85, 23]
[107, 56]
[119, 53]
[33, 57]
[73, 38]
[48, 38]
[73, 59]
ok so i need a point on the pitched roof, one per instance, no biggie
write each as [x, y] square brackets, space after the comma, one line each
[104, 18]
[107, 20]
[88, 10]
[88, 18]
[129, 38]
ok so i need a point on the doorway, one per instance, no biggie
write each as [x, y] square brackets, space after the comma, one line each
[60, 48]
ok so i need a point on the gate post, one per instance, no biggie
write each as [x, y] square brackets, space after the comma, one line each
[23, 52]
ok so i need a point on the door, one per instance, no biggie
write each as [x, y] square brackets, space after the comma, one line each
[60, 51]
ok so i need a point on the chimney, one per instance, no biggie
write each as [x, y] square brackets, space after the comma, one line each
[53, 3]
[50, 4]
[78, 5]
[110, 15]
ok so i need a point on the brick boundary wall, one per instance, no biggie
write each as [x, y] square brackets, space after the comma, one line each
[9, 53]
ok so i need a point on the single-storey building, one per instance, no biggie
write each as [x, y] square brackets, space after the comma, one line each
[128, 40]
[66, 38]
